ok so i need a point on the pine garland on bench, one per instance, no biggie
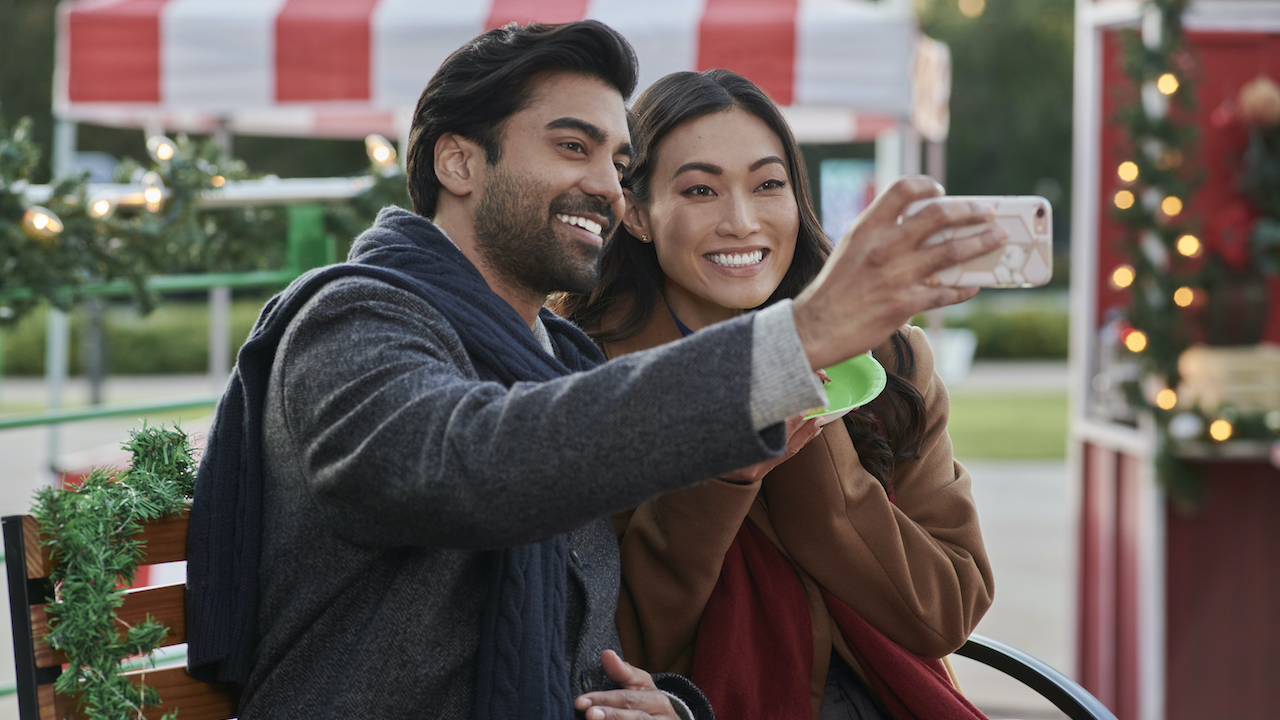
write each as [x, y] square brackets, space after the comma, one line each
[90, 531]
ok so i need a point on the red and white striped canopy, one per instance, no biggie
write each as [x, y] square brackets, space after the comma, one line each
[343, 68]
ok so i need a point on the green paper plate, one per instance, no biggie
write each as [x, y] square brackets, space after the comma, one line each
[854, 382]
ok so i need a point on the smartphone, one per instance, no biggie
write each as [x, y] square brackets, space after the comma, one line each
[1027, 259]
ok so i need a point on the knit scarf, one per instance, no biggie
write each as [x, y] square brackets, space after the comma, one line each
[754, 652]
[522, 668]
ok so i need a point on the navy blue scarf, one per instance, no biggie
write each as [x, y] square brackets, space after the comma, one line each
[523, 671]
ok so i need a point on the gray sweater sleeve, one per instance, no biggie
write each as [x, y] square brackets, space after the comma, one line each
[401, 444]
[782, 383]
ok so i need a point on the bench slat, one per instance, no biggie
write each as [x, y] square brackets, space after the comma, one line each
[165, 603]
[166, 541]
[193, 699]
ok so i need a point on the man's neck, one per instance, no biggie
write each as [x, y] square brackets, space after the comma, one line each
[461, 232]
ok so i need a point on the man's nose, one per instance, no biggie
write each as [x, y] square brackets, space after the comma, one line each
[739, 219]
[602, 181]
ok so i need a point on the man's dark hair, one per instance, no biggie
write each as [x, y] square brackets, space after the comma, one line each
[488, 80]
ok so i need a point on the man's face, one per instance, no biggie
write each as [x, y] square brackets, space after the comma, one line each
[556, 191]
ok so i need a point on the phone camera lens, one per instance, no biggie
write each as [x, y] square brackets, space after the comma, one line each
[1040, 212]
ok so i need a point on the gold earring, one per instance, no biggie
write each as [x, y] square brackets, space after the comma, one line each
[644, 238]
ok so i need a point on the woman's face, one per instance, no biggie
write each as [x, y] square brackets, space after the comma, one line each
[722, 215]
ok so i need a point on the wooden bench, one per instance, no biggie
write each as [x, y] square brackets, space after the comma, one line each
[38, 665]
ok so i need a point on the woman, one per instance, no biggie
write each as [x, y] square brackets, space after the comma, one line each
[809, 588]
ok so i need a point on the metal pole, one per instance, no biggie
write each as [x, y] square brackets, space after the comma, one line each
[219, 337]
[92, 349]
[57, 340]
[63, 158]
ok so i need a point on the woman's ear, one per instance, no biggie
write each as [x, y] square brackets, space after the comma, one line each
[459, 163]
[636, 220]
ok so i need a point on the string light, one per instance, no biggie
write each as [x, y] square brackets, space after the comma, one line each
[161, 148]
[217, 181]
[1220, 430]
[153, 191]
[1124, 200]
[40, 223]
[1166, 399]
[101, 208]
[1189, 245]
[1167, 84]
[1135, 340]
[1171, 206]
[380, 151]
[1184, 296]
[972, 8]
[1122, 277]
[1128, 171]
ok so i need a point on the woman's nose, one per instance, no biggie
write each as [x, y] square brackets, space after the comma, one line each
[739, 218]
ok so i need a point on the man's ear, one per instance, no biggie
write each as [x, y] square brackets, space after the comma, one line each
[459, 164]
[636, 220]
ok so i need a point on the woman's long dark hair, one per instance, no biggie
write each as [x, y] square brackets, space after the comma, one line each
[630, 277]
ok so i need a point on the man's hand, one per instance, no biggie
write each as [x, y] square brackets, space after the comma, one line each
[638, 698]
[799, 433]
[882, 273]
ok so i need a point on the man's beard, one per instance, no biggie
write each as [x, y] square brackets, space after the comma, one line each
[517, 235]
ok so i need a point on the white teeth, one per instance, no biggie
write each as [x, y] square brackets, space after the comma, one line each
[589, 225]
[737, 259]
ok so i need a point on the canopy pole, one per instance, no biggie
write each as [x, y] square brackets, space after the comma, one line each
[62, 161]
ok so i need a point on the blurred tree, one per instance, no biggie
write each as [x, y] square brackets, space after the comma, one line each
[1010, 98]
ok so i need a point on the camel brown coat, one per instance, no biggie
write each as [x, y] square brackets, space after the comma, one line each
[916, 570]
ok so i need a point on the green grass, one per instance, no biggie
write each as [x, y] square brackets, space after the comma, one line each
[1009, 426]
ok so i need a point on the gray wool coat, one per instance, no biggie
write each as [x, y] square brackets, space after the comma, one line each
[392, 474]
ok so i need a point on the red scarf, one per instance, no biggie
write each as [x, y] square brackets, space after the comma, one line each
[754, 653]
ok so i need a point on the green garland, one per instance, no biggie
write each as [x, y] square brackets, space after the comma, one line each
[133, 244]
[90, 534]
[1162, 147]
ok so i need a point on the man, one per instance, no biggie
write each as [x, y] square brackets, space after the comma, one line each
[426, 457]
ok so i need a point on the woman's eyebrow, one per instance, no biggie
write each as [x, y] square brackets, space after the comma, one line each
[765, 161]
[704, 167]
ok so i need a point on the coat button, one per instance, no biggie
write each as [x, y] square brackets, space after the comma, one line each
[585, 684]
[577, 560]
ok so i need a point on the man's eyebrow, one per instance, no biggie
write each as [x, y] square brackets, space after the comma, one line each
[765, 161]
[704, 167]
[596, 135]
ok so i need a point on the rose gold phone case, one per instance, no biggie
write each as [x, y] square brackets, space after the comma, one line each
[1027, 259]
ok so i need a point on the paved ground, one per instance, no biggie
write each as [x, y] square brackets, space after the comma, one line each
[1023, 505]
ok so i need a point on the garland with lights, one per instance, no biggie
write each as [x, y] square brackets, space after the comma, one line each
[48, 252]
[1176, 279]
[90, 532]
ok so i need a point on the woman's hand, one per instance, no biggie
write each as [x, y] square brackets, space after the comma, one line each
[799, 433]
[882, 273]
[637, 699]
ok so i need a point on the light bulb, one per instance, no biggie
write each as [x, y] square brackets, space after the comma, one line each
[1124, 199]
[153, 191]
[101, 208]
[1167, 84]
[40, 223]
[1122, 277]
[1189, 245]
[1136, 341]
[1171, 206]
[1128, 171]
[379, 150]
[972, 8]
[161, 148]
[217, 181]
[1220, 430]
[1184, 296]
[1166, 399]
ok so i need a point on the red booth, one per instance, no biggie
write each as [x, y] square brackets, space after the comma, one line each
[1177, 607]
